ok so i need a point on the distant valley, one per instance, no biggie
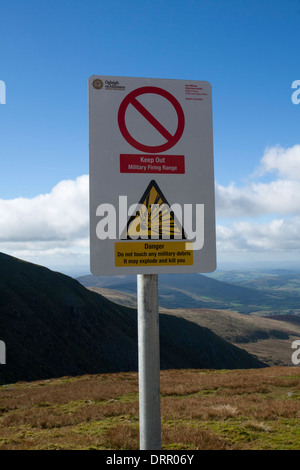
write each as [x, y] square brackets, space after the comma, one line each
[53, 326]
[265, 295]
[258, 320]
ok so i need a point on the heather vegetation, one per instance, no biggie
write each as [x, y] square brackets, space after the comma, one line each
[200, 409]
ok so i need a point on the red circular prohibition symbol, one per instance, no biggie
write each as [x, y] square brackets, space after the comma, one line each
[131, 99]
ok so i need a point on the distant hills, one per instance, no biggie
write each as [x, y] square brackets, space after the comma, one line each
[53, 326]
[276, 281]
[198, 291]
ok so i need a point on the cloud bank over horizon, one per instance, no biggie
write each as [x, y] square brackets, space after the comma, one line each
[259, 217]
[262, 217]
[50, 228]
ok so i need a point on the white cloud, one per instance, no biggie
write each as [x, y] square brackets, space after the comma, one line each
[244, 209]
[280, 196]
[61, 215]
[48, 227]
[278, 235]
[277, 197]
[283, 161]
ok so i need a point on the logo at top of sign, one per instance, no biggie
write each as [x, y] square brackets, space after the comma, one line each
[171, 139]
[97, 83]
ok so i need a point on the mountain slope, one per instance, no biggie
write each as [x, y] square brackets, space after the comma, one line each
[53, 326]
[268, 338]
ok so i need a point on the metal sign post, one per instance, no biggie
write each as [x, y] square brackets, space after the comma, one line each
[149, 362]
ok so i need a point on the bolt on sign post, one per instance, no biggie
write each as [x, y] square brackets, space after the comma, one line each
[152, 207]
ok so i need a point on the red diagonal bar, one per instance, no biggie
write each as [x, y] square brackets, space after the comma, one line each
[155, 123]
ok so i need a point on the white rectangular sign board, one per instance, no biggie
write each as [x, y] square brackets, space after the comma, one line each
[152, 203]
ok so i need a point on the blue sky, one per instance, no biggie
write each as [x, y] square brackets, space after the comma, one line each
[247, 50]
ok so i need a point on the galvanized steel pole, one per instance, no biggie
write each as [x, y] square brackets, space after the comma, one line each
[149, 362]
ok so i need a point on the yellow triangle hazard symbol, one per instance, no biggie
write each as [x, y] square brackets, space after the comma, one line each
[154, 219]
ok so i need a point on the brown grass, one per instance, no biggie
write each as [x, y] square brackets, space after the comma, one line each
[200, 409]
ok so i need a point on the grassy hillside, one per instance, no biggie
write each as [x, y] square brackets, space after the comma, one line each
[200, 410]
[269, 339]
[53, 326]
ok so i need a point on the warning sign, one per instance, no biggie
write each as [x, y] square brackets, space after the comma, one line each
[154, 220]
[151, 176]
[153, 254]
